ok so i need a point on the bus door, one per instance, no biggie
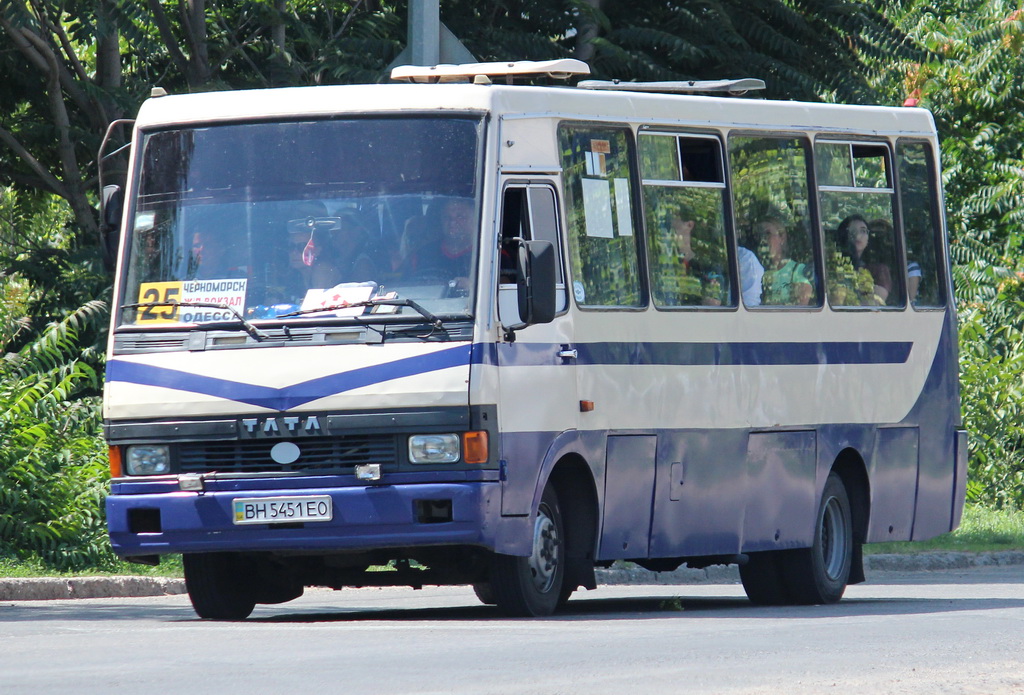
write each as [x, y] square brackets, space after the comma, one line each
[536, 371]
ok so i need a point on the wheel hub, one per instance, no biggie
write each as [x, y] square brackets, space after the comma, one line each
[545, 558]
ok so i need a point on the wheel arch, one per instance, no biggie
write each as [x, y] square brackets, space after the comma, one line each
[573, 482]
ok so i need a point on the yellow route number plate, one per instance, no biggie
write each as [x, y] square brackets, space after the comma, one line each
[277, 510]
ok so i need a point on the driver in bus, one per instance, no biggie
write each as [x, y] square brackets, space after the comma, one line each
[451, 258]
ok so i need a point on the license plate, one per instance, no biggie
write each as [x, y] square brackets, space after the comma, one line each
[276, 510]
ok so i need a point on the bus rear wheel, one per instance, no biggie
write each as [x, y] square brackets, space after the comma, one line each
[217, 587]
[819, 574]
[814, 575]
[533, 586]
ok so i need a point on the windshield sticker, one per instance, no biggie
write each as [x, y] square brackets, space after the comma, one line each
[623, 208]
[597, 208]
[597, 163]
[336, 300]
[162, 298]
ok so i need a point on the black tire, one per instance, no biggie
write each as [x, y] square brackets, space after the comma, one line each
[484, 592]
[218, 586]
[819, 574]
[762, 579]
[533, 586]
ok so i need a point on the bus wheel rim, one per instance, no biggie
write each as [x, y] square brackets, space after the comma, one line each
[545, 557]
[834, 539]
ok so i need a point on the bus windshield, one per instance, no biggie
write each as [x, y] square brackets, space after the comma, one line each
[295, 220]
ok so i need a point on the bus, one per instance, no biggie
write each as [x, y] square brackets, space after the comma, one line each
[470, 329]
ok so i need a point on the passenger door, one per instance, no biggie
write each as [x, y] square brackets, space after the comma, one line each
[536, 370]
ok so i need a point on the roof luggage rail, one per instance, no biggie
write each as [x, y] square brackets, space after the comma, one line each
[730, 87]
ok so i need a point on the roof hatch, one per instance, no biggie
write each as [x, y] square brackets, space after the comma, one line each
[468, 72]
[731, 87]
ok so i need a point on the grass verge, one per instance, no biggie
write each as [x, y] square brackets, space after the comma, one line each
[11, 567]
[982, 529]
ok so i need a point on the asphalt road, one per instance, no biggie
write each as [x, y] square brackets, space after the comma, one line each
[950, 631]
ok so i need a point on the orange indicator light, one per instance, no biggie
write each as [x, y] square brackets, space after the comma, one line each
[474, 447]
[114, 453]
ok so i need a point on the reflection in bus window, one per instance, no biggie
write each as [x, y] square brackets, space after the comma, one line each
[599, 210]
[917, 198]
[683, 199]
[770, 194]
[856, 198]
[281, 220]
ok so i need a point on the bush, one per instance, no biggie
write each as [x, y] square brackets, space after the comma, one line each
[53, 466]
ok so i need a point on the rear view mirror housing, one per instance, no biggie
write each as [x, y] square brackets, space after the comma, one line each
[536, 276]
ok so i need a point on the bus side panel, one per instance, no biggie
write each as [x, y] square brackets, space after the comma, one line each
[700, 493]
[940, 421]
[781, 503]
[629, 485]
[893, 470]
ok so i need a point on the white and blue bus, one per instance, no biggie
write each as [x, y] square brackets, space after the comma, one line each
[476, 332]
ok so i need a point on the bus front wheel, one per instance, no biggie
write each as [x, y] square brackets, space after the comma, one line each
[217, 587]
[532, 586]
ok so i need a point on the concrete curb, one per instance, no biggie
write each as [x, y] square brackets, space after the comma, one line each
[43, 588]
[873, 565]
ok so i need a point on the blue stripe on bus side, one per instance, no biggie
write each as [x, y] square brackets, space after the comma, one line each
[705, 354]
[513, 354]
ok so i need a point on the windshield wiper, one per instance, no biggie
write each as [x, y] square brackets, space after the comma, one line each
[256, 333]
[415, 306]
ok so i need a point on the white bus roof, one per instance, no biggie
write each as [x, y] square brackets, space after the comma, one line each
[507, 101]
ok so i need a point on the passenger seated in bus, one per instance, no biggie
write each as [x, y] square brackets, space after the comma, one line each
[214, 258]
[882, 233]
[449, 260]
[785, 282]
[344, 252]
[914, 275]
[855, 231]
[700, 278]
[751, 274]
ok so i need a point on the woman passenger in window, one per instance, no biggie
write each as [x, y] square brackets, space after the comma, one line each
[785, 282]
[855, 231]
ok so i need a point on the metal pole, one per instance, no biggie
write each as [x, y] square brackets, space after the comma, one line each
[425, 31]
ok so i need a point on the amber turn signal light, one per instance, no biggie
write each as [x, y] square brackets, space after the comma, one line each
[474, 447]
[114, 454]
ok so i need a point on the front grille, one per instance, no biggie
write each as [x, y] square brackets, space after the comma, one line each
[318, 455]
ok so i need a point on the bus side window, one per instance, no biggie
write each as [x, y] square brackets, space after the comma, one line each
[856, 195]
[597, 183]
[528, 212]
[771, 200]
[918, 203]
[684, 202]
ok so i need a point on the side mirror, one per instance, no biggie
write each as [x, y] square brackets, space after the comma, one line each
[537, 275]
[111, 209]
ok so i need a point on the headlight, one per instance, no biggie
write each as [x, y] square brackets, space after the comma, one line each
[147, 459]
[434, 448]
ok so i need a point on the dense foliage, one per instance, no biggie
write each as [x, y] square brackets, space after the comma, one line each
[52, 459]
[974, 86]
[71, 68]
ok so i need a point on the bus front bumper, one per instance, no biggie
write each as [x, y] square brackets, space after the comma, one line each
[363, 517]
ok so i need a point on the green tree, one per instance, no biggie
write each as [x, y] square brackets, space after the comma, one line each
[973, 83]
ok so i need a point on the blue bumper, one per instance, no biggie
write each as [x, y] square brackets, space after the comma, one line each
[365, 517]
